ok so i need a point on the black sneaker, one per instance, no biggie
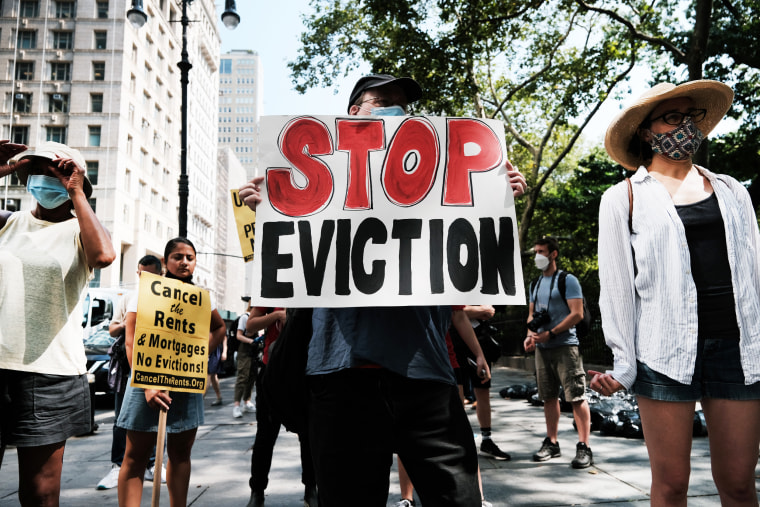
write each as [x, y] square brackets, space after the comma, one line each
[490, 449]
[548, 451]
[584, 458]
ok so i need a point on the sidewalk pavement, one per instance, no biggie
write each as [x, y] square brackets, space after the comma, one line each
[222, 456]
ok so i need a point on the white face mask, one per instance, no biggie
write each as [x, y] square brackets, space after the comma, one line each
[542, 262]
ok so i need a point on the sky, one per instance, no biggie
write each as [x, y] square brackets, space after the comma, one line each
[272, 29]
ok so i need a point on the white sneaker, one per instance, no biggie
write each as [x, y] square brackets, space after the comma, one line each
[111, 480]
[150, 473]
[237, 412]
[249, 407]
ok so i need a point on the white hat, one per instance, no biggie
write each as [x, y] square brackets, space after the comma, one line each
[52, 150]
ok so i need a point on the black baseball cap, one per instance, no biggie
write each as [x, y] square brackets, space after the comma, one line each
[411, 88]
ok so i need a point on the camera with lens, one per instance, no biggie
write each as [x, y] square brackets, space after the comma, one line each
[540, 317]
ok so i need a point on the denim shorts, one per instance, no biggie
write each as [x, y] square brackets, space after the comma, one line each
[717, 374]
[185, 412]
[38, 409]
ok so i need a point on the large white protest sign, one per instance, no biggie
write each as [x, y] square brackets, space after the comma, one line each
[385, 211]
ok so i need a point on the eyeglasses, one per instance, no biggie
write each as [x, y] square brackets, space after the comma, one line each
[383, 102]
[675, 118]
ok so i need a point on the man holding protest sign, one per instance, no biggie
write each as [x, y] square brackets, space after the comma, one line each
[380, 378]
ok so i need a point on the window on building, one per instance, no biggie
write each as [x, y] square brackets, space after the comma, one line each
[58, 103]
[102, 9]
[22, 102]
[20, 134]
[93, 203]
[226, 66]
[24, 71]
[99, 71]
[129, 145]
[60, 71]
[57, 134]
[30, 8]
[101, 38]
[96, 102]
[93, 135]
[92, 171]
[65, 9]
[128, 180]
[63, 40]
[27, 39]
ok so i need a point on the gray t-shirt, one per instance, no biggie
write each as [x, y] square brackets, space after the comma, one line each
[558, 309]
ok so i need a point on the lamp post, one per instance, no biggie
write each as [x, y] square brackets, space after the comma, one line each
[138, 18]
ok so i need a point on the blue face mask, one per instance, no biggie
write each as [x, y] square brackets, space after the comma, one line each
[389, 111]
[48, 190]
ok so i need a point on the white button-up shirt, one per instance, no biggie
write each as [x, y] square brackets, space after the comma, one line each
[649, 305]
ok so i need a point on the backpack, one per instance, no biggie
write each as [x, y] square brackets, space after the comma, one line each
[582, 328]
[283, 382]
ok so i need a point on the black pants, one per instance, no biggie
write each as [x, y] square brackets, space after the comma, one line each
[267, 429]
[359, 418]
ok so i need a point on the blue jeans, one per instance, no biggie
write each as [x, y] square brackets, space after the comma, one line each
[360, 417]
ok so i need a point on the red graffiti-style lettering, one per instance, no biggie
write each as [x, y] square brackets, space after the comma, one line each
[464, 133]
[300, 141]
[409, 169]
[358, 138]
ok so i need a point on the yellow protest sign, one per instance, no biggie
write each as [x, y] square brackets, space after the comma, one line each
[170, 349]
[245, 218]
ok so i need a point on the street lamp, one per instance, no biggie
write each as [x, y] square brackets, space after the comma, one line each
[138, 18]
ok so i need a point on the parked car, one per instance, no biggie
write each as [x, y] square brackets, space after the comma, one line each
[99, 306]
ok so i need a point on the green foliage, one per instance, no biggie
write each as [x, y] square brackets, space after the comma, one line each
[544, 67]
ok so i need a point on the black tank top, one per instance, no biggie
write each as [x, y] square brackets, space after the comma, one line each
[706, 237]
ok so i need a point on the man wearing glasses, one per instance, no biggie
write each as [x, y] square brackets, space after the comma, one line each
[380, 378]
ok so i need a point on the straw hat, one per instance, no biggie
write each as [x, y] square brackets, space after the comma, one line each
[713, 96]
[52, 150]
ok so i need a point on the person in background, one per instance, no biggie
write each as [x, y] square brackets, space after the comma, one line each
[139, 414]
[47, 256]
[117, 329]
[246, 366]
[215, 367]
[482, 390]
[267, 424]
[679, 267]
[552, 317]
[367, 397]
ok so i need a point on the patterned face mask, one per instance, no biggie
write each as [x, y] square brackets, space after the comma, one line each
[680, 143]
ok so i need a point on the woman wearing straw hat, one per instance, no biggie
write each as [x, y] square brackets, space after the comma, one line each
[679, 264]
[47, 257]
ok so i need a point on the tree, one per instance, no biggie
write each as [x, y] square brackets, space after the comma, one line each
[713, 41]
[543, 66]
